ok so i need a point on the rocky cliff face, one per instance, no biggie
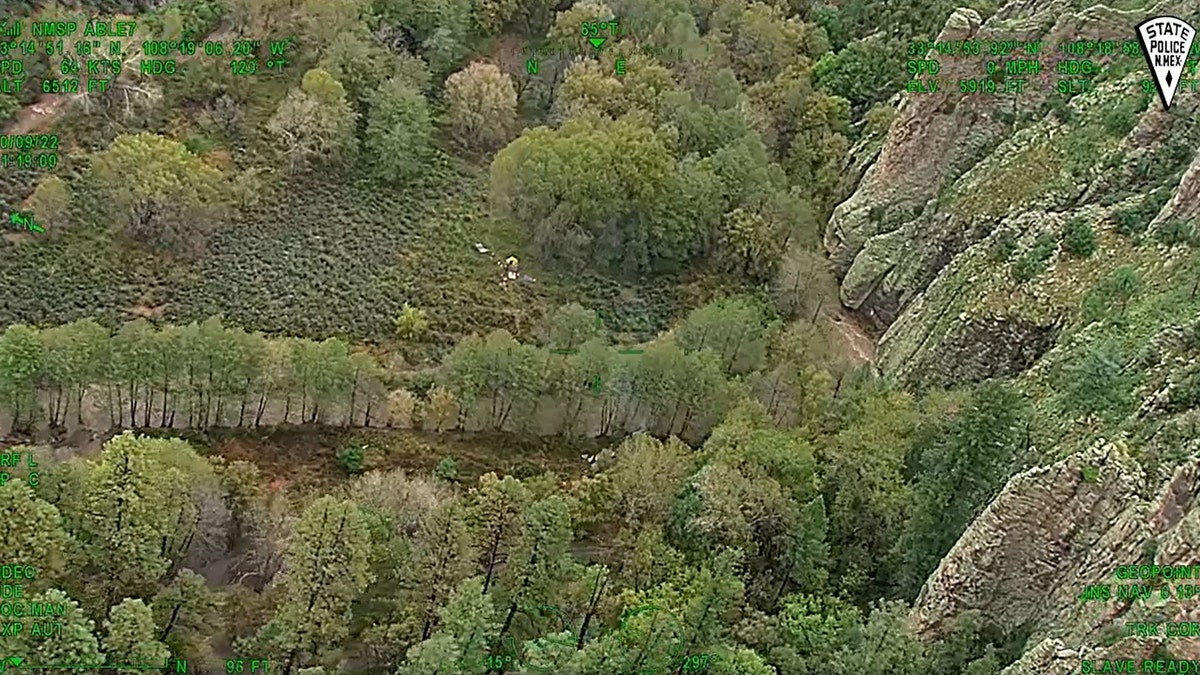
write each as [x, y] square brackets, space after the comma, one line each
[1027, 570]
[962, 174]
[957, 244]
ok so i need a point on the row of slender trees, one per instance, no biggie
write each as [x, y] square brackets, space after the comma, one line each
[207, 374]
[198, 375]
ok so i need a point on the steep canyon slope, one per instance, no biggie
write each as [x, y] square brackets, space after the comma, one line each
[1049, 237]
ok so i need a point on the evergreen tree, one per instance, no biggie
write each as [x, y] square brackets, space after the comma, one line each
[327, 567]
[495, 514]
[398, 129]
[126, 523]
[466, 625]
[33, 534]
[440, 559]
[131, 638]
[959, 474]
[539, 560]
[186, 613]
[884, 644]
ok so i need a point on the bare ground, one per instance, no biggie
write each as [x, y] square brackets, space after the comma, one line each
[39, 115]
[858, 345]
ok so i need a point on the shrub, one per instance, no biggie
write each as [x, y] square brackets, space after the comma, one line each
[1120, 119]
[198, 144]
[1082, 146]
[1078, 238]
[401, 405]
[442, 410]
[411, 323]
[352, 459]
[9, 105]
[1131, 222]
[878, 119]
[1059, 105]
[446, 470]
[1116, 290]
[1003, 247]
[1176, 231]
[1035, 259]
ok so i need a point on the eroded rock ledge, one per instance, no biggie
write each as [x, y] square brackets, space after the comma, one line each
[1054, 531]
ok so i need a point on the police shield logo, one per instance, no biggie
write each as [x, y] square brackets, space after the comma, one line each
[1166, 41]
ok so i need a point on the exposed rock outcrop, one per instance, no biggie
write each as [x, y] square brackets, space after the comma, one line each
[955, 165]
[1054, 531]
[955, 245]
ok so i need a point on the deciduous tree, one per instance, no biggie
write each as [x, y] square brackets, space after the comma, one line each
[735, 329]
[569, 326]
[51, 204]
[398, 129]
[647, 475]
[158, 191]
[601, 191]
[315, 120]
[483, 106]
[762, 40]
[20, 363]
[34, 535]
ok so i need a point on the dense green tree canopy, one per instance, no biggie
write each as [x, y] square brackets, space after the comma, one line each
[665, 446]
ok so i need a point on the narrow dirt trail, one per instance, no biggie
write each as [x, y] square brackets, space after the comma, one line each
[858, 346]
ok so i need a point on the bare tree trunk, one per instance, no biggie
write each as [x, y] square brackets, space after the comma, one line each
[166, 386]
[262, 408]
[597, 592]
[132, 404]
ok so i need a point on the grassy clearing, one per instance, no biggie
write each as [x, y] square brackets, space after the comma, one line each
[329, 255]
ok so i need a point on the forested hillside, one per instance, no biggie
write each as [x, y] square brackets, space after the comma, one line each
[272, 390]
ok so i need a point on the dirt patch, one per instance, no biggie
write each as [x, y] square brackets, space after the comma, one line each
[858, 345]
[16, 237]
[39, 115]
[146, 312]
[306, 457]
